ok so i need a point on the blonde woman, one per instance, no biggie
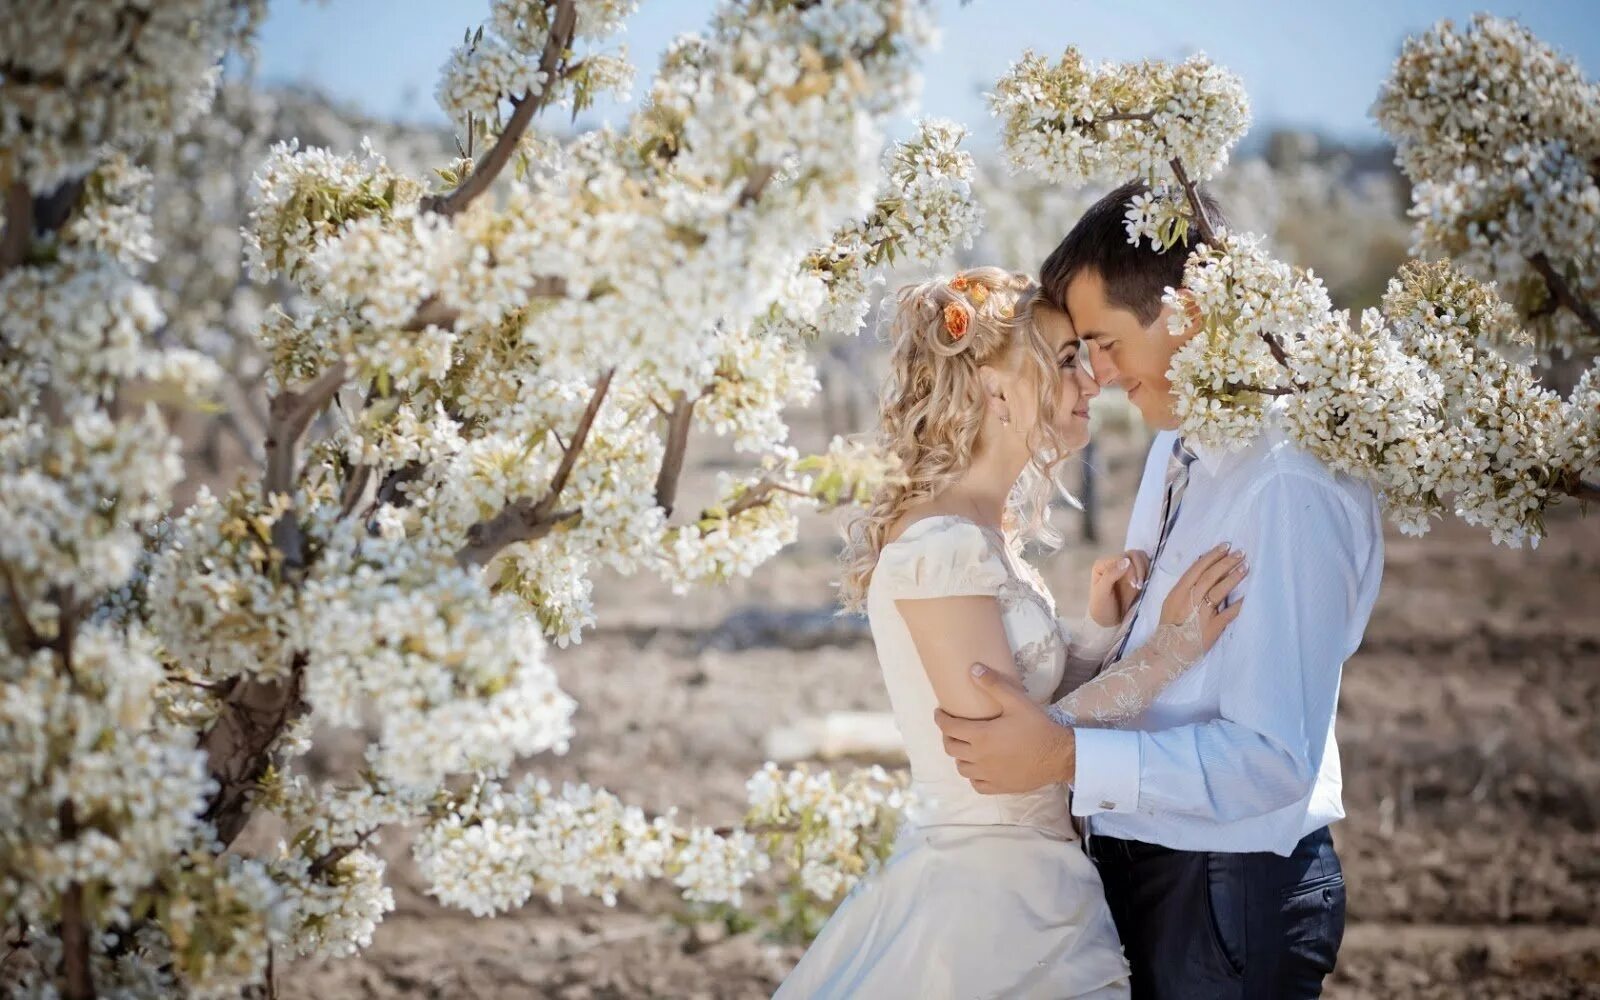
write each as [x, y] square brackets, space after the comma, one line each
[989, 895]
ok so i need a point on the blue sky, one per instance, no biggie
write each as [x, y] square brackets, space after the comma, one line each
[1305, 63]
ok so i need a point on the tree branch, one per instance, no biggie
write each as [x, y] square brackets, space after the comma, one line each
[1121, 116]
[74, 923]
[18, 235]
[253, 714]
[562, 26]
[1235, 388]
[755, 184]
[74, 927]
[19, 604]
[526, 520]
[1581, 491]
[1563, 295]
[752, 498]
[679, 421]
[1191, 190]
[334, 855]
[355, 488]
[290, 413]
[569, 455]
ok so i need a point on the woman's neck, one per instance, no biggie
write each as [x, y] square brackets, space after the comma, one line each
[983, 491]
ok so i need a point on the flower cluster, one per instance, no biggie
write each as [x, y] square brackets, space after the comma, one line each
[924, 212]
[88, 75]
[1414, 397]
[1499, 134]
[497, 846]
[493, 851]
[1168, 123]
[92, 741]
[1369, 410]
[756, 518]
[1505, 443]
[335, 910]
[455, 674]
[301, 198]
[501, 61]
[846, 828]
[90, 479]
[1244, 302]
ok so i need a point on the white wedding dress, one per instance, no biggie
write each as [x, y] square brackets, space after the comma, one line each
[984, 895]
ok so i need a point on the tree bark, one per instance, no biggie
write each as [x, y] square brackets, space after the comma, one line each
[254, 714]
[78, 983]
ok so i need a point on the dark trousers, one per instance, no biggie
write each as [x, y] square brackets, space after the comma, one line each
[1198, 924]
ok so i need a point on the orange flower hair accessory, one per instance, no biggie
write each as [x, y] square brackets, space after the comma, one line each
[955, 321]
[960, 283]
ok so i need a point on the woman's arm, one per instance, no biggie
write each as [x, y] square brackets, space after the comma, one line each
[951, 634]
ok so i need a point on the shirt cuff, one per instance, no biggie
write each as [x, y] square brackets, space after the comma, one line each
[1107, 778]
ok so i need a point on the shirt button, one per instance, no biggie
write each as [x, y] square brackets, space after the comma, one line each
[1107, 804]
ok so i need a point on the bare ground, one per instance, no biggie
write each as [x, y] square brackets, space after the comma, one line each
[1469, 725]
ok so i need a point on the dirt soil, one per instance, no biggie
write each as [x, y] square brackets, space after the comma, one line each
[1469, 725]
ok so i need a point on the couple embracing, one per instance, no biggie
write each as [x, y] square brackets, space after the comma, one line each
[1138, 803]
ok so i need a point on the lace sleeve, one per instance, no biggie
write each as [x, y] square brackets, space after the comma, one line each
[1087, 644]
[1126, 688]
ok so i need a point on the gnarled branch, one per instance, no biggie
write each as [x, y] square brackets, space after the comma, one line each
[254, 713]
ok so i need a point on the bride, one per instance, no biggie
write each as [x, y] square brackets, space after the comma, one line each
[989, 895]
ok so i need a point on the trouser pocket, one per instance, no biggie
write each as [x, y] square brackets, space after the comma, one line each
[1227, 906]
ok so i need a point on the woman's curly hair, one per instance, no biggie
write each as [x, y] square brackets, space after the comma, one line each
[933, 405]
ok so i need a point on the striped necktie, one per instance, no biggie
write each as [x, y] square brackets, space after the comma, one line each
[1177, 480]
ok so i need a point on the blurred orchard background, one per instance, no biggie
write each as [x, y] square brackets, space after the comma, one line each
[1469, 721]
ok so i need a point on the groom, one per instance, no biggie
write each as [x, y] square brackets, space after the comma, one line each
[1209, 817]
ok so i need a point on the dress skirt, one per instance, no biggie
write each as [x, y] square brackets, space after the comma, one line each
[967, 912]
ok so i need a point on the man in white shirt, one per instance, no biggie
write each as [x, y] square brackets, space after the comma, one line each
[1209, 816]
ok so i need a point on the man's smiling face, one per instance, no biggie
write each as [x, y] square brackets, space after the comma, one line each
[1123, 351]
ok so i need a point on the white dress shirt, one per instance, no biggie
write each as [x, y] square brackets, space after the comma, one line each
[1238, 754]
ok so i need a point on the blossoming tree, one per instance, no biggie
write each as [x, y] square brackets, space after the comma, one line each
[484, 392]
[1415, 396]
[504, 384]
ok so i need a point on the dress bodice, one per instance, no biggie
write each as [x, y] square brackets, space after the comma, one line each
[948, 556]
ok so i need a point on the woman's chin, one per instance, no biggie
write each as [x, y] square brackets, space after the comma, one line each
[1075, 436]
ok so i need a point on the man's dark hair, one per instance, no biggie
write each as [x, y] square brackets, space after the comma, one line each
[1136, 276]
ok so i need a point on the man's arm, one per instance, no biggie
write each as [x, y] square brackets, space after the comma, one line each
[1279, 667]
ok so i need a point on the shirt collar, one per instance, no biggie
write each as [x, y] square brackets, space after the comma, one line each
[1215, 460]
[1207, 457]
